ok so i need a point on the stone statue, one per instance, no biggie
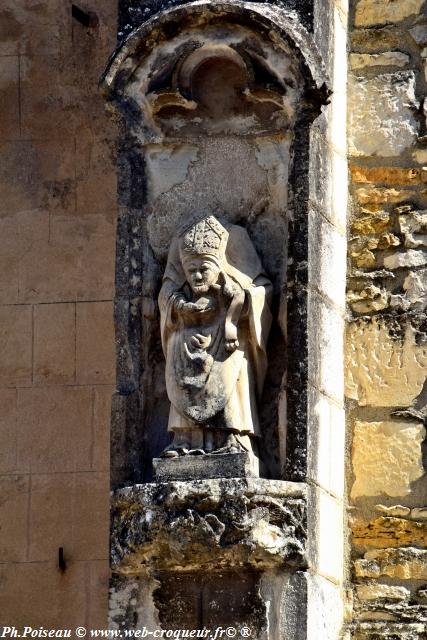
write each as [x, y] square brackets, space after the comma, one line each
[215, 319]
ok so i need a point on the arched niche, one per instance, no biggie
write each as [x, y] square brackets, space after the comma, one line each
[216, 103]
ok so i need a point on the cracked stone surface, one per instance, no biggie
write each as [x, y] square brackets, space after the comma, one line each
[208, 524]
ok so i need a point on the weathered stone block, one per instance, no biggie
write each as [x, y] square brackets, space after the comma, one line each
[18, 232]
[373, 40]
[386, 457]
[71, 511]
[323, 28]
[372, 223]
[338, 213]
[99, 574]
[54, 430]
[381, 353]
[95, 353]
[368, 299]
[389, 175]
[382, 114]
[360, 251]
[29, 586]
[190, 600]
[419, 34]
[25, 30]
[14, 518]
[127, 442]
[58, 270]
[320, 171]
[9, 97]
[385, 59]
[382, 195]
[208, 524]
[389, 531]
[9, 283]
[419, 513]
[131, 602]
[408, 563]
[414, 226]
[372, 12]
[54, 344]
[88, 242]
[91, 516]
[409, 258]
[385, 630]
[8, 430]
[420, 155]
[16, 345]
[326, 326]
[51, 166]
[325, 547]
[233, 465]
[47, 104]
[373, 591]
[327, 251]
[394, 511]
[96, 183]
[307, 606]
[326, 435]
[51, 516]
[325, 605]
[102, 398]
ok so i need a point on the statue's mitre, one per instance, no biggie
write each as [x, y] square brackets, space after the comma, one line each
[205, 237]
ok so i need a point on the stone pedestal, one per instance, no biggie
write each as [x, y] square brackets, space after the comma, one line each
[231, 465]
[209, 554]
[206, 524]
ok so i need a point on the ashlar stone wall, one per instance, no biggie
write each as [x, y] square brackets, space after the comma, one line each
[57, 375]
[386, 336]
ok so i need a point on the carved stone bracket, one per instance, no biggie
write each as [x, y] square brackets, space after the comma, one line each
[208, 524]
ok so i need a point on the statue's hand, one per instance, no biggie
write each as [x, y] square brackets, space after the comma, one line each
[200, 342]
[231, 288]
[179, 302]
[231, 345]
[197, 307]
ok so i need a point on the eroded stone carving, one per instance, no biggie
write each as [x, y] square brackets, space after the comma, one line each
[215, 320]
[208, 524]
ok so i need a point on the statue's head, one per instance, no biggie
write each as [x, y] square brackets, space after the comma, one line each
[202, 252]
[201, 272]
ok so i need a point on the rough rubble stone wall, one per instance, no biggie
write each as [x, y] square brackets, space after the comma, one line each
[387, 330]
[57, 229]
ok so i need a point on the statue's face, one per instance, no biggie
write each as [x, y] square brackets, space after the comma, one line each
[201, 273]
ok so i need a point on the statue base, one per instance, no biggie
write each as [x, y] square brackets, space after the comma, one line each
[208, 466]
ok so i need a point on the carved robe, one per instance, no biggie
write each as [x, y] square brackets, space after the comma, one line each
[207, 385]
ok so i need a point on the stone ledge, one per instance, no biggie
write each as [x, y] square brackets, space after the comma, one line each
[384, 630]
[231, 465]
[208, 524]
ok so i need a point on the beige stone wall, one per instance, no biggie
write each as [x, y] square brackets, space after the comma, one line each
[386, 336]
[57, 229]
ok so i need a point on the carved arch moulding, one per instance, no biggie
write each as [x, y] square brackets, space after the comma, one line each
[216, 102]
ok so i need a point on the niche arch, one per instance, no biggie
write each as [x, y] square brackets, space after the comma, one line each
[216, 104]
